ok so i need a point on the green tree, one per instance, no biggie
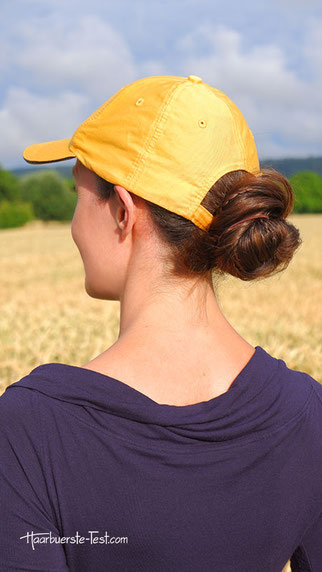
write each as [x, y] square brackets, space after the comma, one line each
[15, 213]
[9, 186]
[307, 187]
[50, 196]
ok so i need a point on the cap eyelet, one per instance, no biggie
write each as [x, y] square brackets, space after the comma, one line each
[139, 101]
[202, 123]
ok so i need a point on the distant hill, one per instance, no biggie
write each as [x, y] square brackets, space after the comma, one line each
[286, 166]
[65, 172]
[290, 166]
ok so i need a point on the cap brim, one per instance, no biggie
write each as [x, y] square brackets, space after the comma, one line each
[50, 152]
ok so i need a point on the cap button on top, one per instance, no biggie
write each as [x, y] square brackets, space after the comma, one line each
[195, 79]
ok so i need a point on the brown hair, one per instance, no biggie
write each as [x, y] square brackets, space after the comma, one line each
[251, 250]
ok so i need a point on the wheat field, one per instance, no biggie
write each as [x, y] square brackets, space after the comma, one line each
[46, 315]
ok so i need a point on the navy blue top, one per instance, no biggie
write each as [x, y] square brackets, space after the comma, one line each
[96, 476]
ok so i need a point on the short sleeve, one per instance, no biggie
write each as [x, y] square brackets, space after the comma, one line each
[27, 523]
[308, 555]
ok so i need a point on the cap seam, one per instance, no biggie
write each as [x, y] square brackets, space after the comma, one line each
[94, 115]
[154, 134]
[104, 106]
[205, 182]
[237, 132]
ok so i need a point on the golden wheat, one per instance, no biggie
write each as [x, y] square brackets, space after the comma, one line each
[47, 316]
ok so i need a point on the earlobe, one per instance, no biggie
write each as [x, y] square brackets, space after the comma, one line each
[125, 204]
[122, 222]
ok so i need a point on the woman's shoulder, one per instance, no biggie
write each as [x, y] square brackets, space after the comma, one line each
[299, 379]
[18, 406]
[21, 432]
[300, 392]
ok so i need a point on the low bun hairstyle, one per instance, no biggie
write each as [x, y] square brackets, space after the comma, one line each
[251, 250]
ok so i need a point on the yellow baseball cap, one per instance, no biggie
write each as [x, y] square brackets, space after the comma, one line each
[167, 139]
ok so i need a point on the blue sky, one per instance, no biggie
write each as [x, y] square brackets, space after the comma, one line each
[60, 60]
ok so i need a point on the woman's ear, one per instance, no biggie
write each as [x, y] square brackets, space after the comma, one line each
[124, 209]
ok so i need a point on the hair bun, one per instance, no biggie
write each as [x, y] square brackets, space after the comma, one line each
[252, 246]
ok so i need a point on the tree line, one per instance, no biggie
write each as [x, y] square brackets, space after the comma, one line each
[47, 196]
[44, 195]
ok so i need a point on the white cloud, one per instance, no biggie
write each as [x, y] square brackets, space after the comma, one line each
[26, 118]
[89, 55]
[312, 50]
[259, 70]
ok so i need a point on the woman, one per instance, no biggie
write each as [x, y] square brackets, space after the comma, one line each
[189, 447]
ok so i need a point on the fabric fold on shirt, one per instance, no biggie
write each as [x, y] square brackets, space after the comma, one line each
[232, 415]
[229, 484]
